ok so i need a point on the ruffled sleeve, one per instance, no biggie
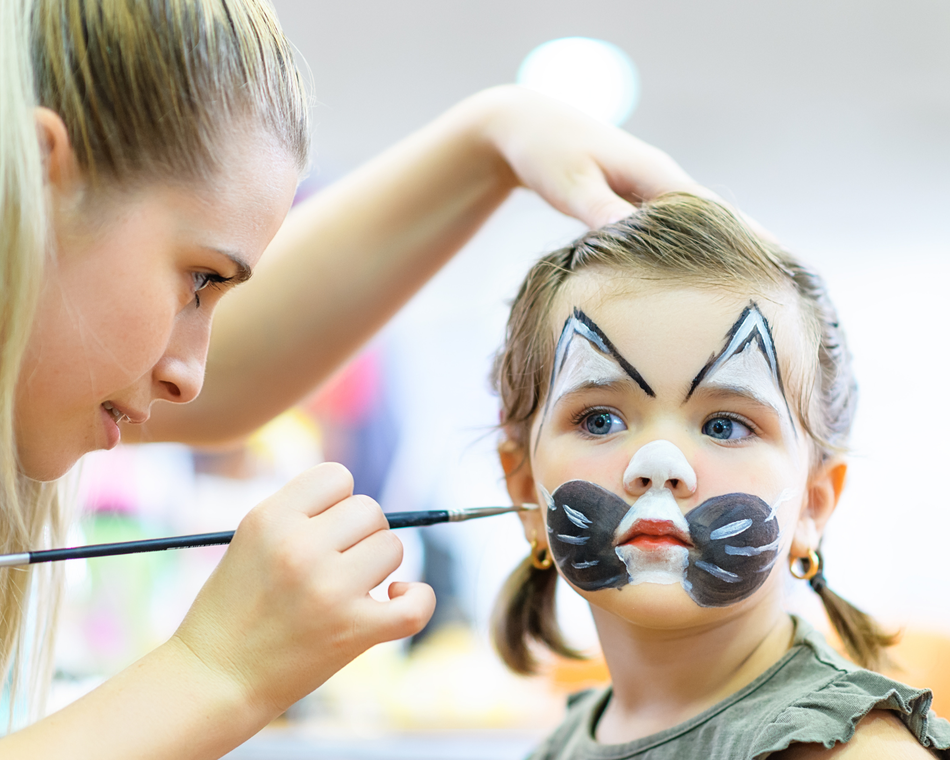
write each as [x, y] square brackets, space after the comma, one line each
[830, 714]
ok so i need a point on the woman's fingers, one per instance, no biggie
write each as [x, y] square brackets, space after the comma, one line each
[582, 167]
[592, 200]
[409, 608]
[373, 559]
[347, 523]
[317, 489]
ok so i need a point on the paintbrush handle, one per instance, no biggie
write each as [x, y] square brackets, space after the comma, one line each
[125, 547]
[396, 520]
[417, 519]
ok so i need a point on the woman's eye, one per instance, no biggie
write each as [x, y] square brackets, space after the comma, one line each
[201, 280]
[726, 429]
[602, 423]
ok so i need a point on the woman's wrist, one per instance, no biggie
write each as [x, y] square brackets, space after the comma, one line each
[223, 696]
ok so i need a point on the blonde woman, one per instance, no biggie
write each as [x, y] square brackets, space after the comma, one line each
[149, 153]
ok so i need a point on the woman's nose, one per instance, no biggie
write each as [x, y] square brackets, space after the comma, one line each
[659, 464]
[179, 374]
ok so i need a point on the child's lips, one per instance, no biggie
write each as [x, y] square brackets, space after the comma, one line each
[646, 534]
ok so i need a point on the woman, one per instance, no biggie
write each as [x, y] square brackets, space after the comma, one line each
[148, 155]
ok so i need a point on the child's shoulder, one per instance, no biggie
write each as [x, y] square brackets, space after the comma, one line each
[812, 698]
[825, 702]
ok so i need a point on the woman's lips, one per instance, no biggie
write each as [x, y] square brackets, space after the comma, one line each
[113, 435]
[647, 534]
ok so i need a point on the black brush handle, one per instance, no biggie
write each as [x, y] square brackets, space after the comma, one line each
[396, 520]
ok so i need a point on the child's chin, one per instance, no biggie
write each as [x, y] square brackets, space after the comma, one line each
[658, 606]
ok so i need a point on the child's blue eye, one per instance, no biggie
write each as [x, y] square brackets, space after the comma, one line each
[602, 423]
[725, 429]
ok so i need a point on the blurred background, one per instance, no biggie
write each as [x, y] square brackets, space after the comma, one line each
[827, 122]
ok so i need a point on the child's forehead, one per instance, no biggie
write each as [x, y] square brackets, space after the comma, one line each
[676, 321]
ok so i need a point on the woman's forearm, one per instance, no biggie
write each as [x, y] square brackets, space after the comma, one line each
[166, 705]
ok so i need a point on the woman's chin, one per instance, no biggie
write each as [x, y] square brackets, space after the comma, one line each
[46, 468]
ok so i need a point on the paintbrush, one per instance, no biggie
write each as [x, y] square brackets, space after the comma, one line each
[395, 519]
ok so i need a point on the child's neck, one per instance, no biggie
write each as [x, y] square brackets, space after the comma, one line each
[663, 678]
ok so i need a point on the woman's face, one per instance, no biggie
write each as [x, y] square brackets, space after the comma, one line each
[669, 464]
[124, 316]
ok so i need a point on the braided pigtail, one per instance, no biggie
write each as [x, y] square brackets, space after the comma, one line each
[526, 612]
[864, 640]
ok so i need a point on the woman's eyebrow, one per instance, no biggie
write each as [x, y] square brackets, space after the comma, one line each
[244, 271]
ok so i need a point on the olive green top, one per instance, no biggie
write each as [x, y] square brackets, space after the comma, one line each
[811, 695]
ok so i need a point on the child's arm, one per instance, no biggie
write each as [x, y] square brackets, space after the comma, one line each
[879, 736]
[285, 609]
[348, 258]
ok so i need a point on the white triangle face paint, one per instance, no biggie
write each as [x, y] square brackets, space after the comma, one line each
[585, 358]
[748, 365]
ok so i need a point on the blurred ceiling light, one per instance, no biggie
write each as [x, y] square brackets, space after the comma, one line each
[592, 75]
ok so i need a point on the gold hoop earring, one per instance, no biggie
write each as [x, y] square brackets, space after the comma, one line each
[541, 559]
[814, 565]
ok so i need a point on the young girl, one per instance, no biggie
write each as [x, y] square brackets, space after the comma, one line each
[149, 152]
[676, 397]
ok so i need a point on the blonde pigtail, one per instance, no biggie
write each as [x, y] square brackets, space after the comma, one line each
[863, 638]
[525, 613]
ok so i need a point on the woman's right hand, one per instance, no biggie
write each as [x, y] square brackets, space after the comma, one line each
[289, 604]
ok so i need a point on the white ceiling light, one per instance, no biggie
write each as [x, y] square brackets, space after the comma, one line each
[592, 75]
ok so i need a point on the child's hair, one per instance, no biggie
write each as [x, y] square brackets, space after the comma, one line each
[148, 91]
[683, 239]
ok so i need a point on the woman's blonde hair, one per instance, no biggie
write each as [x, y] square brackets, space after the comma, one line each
[148, 91]
[683, 239]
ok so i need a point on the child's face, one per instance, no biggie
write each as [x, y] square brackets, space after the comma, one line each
[672, 406]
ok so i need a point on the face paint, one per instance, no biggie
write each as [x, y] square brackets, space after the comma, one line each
[734, 542]
[584, 357]
[721, 552]
[748, 364]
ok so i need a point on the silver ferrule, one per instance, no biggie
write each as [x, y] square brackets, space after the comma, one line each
[459, 515]
[12, 560]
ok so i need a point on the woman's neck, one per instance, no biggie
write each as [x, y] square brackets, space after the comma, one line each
[663, 678]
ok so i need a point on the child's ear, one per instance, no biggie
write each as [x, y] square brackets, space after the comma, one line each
[825, 485]
[521, 488]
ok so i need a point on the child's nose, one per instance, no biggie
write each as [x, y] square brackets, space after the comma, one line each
[659, 464]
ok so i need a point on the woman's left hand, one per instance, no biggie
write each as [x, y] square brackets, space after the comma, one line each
[582, 167]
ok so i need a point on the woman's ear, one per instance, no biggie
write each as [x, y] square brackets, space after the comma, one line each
[825, 485]
[521, 488]
[59, 160]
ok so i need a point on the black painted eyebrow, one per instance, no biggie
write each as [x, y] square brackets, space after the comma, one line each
[612, 350]
[589, 331]
[764, 342]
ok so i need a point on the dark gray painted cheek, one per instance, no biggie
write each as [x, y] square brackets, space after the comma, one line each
[736, 544]
[581, 522]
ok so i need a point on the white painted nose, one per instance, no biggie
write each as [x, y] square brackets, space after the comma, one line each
[659, 464]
